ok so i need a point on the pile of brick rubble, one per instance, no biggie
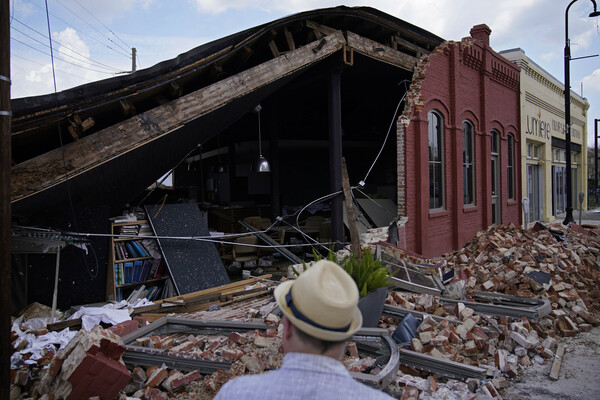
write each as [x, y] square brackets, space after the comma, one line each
[502, 259]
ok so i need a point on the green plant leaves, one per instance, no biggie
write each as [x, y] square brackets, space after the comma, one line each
[368, 273]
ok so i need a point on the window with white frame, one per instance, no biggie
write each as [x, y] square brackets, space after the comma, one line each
[510, 166]
[468, 164]
[435, 136]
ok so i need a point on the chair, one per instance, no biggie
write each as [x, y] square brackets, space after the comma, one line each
[244, 251]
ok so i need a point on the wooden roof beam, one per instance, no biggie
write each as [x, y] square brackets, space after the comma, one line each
[378, 51]
[116, 140]
[398, 41]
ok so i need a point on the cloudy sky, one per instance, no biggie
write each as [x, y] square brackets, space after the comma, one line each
[92, 40]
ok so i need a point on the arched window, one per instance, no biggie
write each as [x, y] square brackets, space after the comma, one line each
[510, 166]
[435, 132]
[468, 164]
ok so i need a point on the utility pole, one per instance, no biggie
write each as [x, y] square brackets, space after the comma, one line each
[5, 280]
[133, 57]
[596, 159]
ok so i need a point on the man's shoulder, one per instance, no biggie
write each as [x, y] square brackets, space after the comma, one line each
[243, 387]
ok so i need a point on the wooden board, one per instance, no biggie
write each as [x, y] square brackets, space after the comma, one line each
[560, 352]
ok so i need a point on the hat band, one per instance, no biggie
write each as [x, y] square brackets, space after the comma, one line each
[298, 314]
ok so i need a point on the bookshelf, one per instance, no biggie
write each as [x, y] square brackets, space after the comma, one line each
[136, 263]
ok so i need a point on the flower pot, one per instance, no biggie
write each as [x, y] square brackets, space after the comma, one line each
[371, 307]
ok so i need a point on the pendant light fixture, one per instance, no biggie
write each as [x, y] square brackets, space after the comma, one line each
[261, 164]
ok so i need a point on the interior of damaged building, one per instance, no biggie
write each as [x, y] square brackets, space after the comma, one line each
[153, 214]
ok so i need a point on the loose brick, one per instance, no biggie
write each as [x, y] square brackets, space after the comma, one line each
[159, 375]
[185, 379]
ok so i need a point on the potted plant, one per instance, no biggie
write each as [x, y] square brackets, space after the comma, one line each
[372, 279]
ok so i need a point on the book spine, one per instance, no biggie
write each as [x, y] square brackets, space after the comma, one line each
[128, 270]
[137, 271]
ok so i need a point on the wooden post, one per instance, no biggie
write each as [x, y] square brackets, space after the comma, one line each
[354, 237]
[5, 280]
[335, 158]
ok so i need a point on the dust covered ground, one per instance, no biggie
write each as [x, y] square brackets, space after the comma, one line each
[579, 376]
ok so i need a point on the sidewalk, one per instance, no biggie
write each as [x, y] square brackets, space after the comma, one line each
[589, 217]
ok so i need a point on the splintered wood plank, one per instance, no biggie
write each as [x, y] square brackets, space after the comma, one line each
[380, 52]
[354, 237]
[83, 155]
[560, 352]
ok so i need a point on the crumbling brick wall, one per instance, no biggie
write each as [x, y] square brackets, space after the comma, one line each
[464, 80]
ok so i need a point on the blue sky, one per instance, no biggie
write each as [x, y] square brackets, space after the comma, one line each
[92, 39]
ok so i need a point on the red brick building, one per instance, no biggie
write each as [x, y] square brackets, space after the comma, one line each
[460, 137]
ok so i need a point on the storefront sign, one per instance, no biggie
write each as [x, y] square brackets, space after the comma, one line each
[539, 128]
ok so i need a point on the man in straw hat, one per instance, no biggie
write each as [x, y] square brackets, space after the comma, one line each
[321, 313]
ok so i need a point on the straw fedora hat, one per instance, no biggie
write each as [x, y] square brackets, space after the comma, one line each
[322, 302]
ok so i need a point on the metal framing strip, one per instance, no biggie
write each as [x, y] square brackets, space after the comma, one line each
[137, 355]
[400, 312]
[505, 305]
[447, 368]
[136, 358]
[267, 239]
[382, 379]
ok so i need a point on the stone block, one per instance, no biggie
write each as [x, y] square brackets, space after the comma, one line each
[416, 345]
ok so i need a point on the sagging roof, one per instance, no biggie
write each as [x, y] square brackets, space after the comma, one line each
[88, 135]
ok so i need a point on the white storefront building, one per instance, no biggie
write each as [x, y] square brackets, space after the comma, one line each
[543, 145]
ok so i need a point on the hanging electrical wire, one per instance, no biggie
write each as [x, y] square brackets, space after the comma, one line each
[102, 23]
[92, 26]
[81, 30]
[44, 65]
[58, 58]
[362, 183]
[63, 53]
[98, 63]
[93, 273]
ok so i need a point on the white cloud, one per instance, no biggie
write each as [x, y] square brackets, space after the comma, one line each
[592, 82]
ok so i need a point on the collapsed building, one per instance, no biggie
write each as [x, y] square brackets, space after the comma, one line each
[333, 84]
[330, 83]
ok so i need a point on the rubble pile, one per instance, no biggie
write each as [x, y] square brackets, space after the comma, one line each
[558, 264]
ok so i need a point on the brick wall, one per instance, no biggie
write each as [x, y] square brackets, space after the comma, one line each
[460, 80]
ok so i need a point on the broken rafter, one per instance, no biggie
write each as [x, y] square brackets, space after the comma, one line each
[77, 126]
[84, 155]
[320, 30]
[289, 38]
[378, 51]
[398, 41]
[127, 108]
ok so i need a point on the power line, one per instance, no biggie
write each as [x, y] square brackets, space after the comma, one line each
[63, 53]
[81, 30]
[90, 25]
[61, 59]
[43, 65]
[66, 47]
[110, 30]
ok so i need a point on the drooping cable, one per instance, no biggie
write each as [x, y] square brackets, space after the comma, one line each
[93, 63]
[69, 196]
[61, 59]
[97, 63]
[362, 183]
[81, 30]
